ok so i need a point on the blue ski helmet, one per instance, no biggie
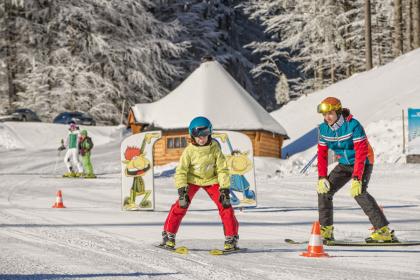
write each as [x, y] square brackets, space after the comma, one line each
[200, 126]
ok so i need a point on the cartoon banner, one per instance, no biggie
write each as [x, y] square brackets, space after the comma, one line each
[413, 131]
[137, 189]
[237, 148]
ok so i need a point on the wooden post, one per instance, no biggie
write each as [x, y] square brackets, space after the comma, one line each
[403, 131]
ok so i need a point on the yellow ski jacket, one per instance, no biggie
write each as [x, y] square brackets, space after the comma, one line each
[202, 166]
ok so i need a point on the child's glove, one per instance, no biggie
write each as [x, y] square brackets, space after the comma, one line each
[224, 198]
[323, 186]
[184, 199]
[356, 187]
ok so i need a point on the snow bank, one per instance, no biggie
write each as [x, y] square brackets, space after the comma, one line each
[40, 136]
[376, 98]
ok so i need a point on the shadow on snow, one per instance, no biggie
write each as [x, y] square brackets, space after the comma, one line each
[70, 276]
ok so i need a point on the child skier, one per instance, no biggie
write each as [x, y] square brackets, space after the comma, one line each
[85, 147]
[72, 154]
[344, 135]
[202, 165]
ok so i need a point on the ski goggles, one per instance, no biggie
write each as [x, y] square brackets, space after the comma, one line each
[326, 107]
[200, 131]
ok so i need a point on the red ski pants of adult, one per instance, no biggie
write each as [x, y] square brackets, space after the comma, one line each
[230, 224]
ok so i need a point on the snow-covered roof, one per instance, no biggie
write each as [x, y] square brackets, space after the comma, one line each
[212, 92]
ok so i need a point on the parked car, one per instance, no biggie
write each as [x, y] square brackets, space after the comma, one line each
[21, 115]
[78, 117]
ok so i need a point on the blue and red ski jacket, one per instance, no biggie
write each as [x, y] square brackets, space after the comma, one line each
[348, 140]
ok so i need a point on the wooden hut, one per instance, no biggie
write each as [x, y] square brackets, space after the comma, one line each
[209, 91]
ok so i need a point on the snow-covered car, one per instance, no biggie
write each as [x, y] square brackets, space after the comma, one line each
[77, 117]
[25, 115]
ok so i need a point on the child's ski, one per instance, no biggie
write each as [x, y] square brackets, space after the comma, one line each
[291, 241]
[179, 250]
[218, 252]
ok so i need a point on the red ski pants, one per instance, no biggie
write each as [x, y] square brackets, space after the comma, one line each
[230, 224]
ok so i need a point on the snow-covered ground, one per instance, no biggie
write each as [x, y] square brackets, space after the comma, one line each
[93, 239]
[40, 136]
[376, 98]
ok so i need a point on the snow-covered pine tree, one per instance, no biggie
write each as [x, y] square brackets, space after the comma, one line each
[398, 28]
[282, 90]
[411, 24]
[4, 100]
[91, 55]
[220, 29]
[14, 52]
[313, 32]
[382, 32]
[326, 37]
[416, 23]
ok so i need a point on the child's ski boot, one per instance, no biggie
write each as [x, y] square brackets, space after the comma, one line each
[231, 243]
[89, 176]
[168, 240]
[70, 174]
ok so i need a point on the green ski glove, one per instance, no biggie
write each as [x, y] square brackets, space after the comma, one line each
[323, 186]
[356, 187]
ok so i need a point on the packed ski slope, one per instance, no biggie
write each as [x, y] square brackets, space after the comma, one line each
[93, 239]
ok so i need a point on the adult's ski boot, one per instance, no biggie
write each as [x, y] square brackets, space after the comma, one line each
[327, 233]
[382, 235]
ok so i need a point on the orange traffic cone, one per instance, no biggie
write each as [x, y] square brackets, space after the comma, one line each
[315, 246]
[59, 201]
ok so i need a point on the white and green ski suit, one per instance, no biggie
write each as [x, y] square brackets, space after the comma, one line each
[72, 155]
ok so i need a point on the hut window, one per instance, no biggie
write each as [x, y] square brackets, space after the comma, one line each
[176, 142]
[183, 142]
[170, 143]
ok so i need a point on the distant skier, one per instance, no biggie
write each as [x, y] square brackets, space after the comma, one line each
[71, 159]
[85, 148]
[344, 135]
[202, 165]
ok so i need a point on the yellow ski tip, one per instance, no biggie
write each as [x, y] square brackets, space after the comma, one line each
[181, 250]
[216, 252]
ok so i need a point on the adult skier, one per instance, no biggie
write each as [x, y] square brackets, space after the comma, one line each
[202, 165]
[85, 147]
[71, 159]
[344, 135]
